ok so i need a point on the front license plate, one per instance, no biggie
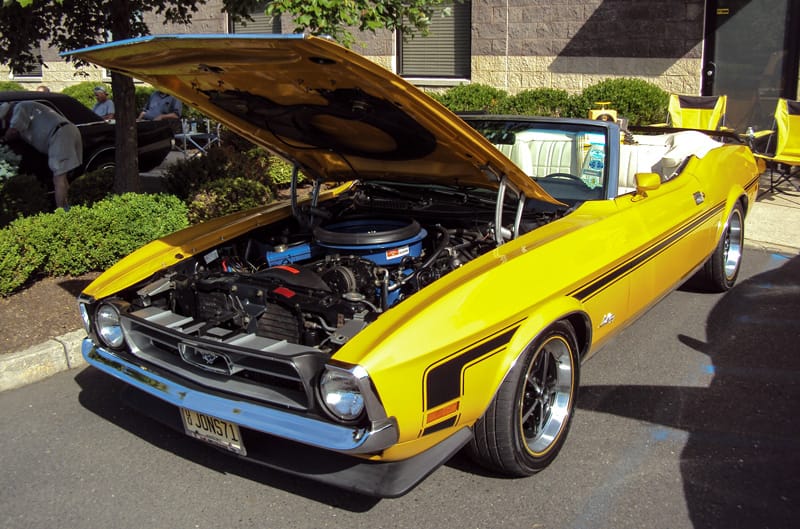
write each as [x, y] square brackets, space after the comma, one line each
[213, 430]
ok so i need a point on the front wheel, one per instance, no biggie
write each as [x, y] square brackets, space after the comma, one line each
[526, 424]
[722, 268]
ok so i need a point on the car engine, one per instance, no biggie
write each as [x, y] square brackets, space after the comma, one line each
[319, 291]
[319, 283]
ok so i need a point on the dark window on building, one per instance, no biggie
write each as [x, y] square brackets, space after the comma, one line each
[261, 23]
[445, 51]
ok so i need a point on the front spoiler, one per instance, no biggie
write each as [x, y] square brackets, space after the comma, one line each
[298, 445]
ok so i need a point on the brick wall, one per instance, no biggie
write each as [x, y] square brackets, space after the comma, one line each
[571, 44]
[522, 44]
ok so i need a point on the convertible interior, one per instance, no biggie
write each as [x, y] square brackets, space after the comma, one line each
[561, 160]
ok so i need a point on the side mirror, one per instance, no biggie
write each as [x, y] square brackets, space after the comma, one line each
[647, 182]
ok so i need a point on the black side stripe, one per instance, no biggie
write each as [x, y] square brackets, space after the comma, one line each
[443, 382]
[586, 291]
[752, 182]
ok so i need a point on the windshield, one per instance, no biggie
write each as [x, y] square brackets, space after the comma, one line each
[567, 159]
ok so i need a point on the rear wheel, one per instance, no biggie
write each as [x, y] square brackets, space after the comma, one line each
[722, 268]
[105, 161]
[526, 424]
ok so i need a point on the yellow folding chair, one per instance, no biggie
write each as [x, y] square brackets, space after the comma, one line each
[697, 112]
[786, 159]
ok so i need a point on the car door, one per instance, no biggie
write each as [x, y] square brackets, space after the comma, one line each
[676, 221]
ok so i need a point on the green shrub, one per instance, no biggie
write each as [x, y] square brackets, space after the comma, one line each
[225, 196]
[22, 195]
[252, 164]
[185, 177]
[259, 165]
[91, 187]
[190, 179]
[94, 238]
[539, 102]
[280, 172]
[19, 260]
[11, 86]
[84, 92]
[640, 101]
[472, 98]
[84, 238]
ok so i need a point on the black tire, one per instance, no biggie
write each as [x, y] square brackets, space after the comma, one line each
[527, 422]
[722, 268]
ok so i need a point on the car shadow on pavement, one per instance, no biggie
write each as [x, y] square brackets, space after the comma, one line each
[741, 464]
[101, 395]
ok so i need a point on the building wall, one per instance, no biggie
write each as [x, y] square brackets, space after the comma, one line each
[571, 44]
[523, 44]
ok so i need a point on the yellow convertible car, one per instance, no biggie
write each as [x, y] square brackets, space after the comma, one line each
[439, 287]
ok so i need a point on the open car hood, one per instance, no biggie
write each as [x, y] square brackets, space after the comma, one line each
[336, 114]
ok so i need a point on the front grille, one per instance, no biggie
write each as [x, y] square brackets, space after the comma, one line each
[246, 365]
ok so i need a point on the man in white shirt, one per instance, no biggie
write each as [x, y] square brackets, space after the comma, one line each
[104, 106]
[48, 132]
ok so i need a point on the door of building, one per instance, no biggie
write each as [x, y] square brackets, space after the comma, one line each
[751, 54]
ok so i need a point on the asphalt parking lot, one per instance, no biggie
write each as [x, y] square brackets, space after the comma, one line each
[686, 420]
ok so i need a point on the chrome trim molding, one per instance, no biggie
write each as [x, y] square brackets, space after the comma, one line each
[329, 436]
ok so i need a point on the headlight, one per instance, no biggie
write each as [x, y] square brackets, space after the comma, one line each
[107, 325]
[340, 395]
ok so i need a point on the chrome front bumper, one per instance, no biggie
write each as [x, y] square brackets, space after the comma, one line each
[309, 431]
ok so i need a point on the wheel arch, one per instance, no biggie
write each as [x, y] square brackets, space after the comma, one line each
[537, 324]
[99, 154]
[736, 195]
[508, 437]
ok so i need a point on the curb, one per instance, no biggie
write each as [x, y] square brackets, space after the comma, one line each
[42, 361]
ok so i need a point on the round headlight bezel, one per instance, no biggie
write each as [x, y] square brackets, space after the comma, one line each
[87, 322]
[340, 395]
[108, 327]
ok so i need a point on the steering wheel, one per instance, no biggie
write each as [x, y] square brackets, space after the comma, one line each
[564, 175]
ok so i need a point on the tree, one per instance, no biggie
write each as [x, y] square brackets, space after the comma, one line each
[72, 24]
[337, 18]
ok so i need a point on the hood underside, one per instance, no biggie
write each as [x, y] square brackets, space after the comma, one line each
[334, 113]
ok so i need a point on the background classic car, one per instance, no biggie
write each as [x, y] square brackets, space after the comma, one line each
[98, 136]
[445, 297]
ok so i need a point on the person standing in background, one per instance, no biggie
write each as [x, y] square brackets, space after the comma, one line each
[104, 106]
[161, 106]
[48, 132]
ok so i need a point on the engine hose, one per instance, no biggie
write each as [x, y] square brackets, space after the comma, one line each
[384, 283]
[442, 245]
[428, 262]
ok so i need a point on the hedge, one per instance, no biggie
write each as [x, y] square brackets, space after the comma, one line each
[638, 100]
[84, 238]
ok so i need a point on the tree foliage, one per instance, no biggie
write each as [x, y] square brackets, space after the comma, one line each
[336, 18]
[72, 24]
[67, 25]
